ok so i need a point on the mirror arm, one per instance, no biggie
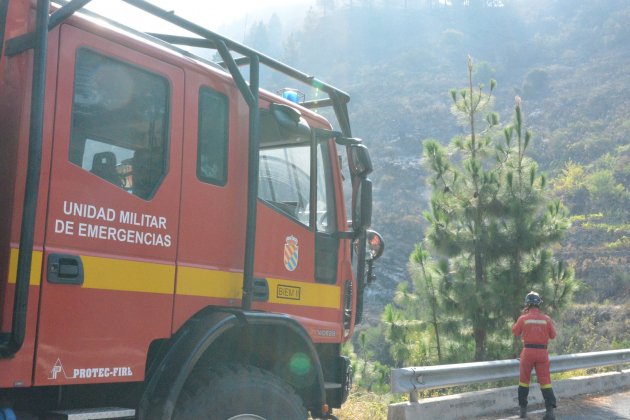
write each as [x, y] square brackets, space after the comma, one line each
[348, 141]
[370, 272]
[346, 235]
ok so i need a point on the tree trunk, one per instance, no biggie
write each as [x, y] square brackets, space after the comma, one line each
[437, 334]
[480, 342]
[479, 321]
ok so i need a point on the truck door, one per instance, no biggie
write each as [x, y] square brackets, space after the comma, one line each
[111, 230]
[296, 248]
[214, 196]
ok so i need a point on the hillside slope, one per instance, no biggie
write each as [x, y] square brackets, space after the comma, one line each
[567, 60]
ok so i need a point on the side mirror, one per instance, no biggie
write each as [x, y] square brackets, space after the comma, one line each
[362, 206]
[375, 245]
[359, 160]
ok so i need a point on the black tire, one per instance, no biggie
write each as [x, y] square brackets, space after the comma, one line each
[236, 390]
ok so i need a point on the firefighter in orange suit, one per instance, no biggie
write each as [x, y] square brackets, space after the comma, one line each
[535, 329]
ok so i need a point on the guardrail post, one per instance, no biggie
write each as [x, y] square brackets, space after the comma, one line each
[413, 396]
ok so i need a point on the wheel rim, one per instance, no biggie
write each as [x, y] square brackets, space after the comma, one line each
[246, 417]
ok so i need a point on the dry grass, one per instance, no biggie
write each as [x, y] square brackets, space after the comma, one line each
[363, 405]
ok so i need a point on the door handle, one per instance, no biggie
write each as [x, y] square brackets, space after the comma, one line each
[260, 290]
[65, 269]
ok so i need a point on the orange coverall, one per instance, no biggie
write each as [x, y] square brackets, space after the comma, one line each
[536, 329]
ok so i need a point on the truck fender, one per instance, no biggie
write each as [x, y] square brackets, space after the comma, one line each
[166, 379]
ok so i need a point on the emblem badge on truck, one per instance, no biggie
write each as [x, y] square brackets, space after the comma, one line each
[291, 253]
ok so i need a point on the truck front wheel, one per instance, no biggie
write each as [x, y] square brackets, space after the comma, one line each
[238, 392]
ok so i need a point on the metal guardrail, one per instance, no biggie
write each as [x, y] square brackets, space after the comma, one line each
[412, 379]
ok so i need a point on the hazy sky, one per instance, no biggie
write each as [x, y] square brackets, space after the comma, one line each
[209, 13]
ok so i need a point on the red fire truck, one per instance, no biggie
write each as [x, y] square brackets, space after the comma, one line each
[173, 239]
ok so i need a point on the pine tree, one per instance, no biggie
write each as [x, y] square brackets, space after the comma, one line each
[426, 280]
[491, 222]
[462, 205]
[531, 224]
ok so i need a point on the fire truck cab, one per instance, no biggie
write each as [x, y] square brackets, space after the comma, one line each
[173, 239]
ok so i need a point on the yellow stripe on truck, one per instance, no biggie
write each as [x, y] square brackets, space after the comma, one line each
[304, 294]
[36, 266]
[137, 276]
[193, 281]
[128, 276]
[109, 274]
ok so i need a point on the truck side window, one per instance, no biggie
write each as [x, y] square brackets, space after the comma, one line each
[120, 120]
[212, 137]
[284, 180]
[284, 183]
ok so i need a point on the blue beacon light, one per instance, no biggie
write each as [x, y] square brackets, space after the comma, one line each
[291, 95]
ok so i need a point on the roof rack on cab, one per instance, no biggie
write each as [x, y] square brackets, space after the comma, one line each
[232, 53]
